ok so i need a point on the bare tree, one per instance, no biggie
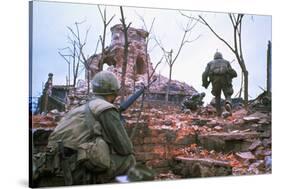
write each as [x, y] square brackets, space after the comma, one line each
[76, 52]
[71, 58]
[236, 21]
[126, 48]
[168, 55]
[102, 38]
[154, 69]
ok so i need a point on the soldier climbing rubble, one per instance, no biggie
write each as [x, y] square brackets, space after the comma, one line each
[220, 73]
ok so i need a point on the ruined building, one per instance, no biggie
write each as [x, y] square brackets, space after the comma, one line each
[139, 68]
[139, 64]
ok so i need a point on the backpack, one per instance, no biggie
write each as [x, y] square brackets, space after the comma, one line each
[93, 153]
[219, 67]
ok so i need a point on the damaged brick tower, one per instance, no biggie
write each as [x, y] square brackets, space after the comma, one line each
[139, 64]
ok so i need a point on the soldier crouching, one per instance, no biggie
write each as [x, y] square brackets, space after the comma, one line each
[89, 145]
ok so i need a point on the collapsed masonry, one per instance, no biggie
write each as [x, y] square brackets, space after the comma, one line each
[138, 61]
[139, 68]
[199, 144]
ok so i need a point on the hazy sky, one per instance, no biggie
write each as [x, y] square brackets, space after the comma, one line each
[50, 33]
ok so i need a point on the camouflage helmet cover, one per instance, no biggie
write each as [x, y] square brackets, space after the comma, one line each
[105, 83]
[218, 55]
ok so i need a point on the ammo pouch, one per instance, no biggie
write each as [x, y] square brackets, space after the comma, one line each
[95, 155]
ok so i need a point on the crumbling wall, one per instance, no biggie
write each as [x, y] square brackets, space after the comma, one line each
[156, 147]
[138, 60]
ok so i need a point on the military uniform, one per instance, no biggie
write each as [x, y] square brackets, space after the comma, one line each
[96, 145]
[220, 73]
[75, 133]
[193, 102]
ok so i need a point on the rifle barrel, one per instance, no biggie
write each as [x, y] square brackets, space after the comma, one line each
[126, 104]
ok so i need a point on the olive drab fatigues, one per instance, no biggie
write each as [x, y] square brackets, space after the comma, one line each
[220, 73]
[193, 102]
[91, 138]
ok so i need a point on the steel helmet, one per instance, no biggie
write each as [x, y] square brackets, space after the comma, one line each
[105, 83]
[218, 55]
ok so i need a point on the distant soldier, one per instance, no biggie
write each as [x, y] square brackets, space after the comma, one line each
[89, 145]
[193, 102]
[220, 73]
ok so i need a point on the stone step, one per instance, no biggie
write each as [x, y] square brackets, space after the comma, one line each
[202, 167]
[228, 142]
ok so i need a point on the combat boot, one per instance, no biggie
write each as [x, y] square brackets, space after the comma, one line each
[228, 109]
[228, 106]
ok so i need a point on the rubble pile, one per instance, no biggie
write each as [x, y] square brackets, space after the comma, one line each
[161, 84]
[262, 103]
[170, 141]
[165, 135]
[48, 120]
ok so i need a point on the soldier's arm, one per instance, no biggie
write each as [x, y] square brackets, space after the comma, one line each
[114, 130]
[205, 76]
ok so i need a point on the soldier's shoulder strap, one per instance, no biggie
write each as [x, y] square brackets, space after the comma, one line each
[92, 111]
[97, 106]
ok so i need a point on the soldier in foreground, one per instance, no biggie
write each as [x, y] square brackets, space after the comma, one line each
[220, 73]
[90, 145]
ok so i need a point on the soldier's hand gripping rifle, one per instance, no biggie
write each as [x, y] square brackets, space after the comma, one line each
[126, 104]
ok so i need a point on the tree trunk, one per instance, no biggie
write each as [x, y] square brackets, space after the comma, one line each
[124, 69]
[268, 74]
[147, 67]
[169, 83]
[88, 82]
[241, 62]
[74, 81]
[242, 84]
[246, 94]
[102, 52]
[125, 60]
[134, 77]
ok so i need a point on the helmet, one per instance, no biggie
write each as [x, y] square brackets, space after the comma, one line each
[105, 83]
[218, 55]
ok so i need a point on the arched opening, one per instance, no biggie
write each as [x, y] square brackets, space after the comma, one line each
[108, 62]
[105, 66]
[140, 66]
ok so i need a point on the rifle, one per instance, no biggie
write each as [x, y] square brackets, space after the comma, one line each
[126, 104]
